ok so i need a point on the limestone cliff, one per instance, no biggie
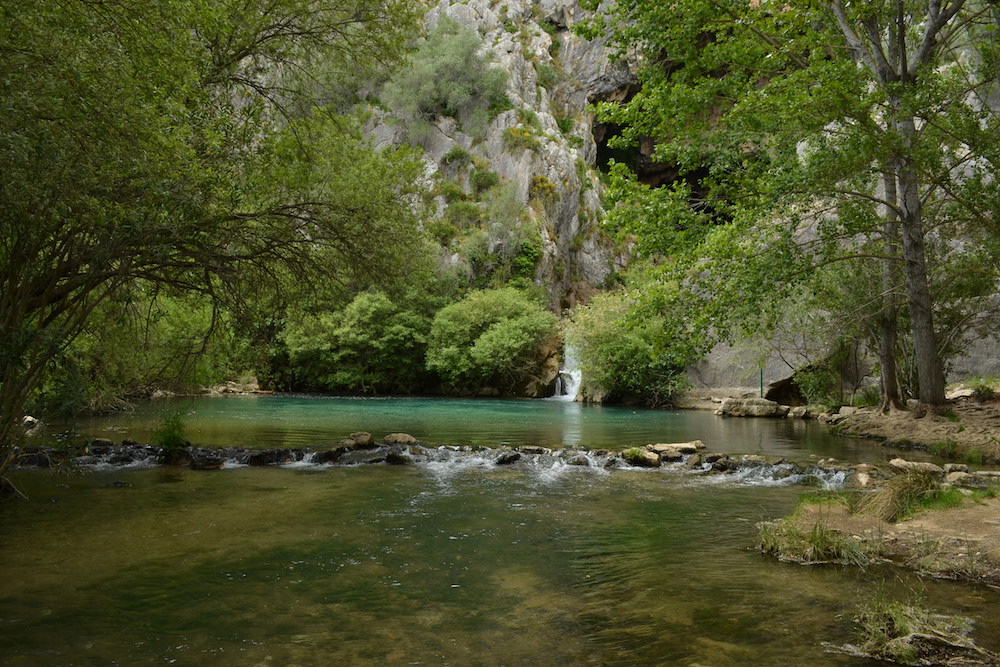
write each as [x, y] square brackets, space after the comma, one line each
[552, 76]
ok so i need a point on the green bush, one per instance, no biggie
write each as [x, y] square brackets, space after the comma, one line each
[169, 436]
[457, 156]
[371, 346]
[483, 179]
[492, 338]
[623, 357]
[447, 76]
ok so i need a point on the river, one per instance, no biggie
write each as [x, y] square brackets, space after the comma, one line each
[443, 563]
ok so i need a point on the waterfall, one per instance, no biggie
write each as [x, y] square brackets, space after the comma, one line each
[570, 375]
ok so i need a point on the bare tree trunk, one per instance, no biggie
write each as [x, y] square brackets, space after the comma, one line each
[890, 399]
[930, 375]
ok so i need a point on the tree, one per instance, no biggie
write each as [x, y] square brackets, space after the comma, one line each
[491, 339]
[186, 146]
[807, 134]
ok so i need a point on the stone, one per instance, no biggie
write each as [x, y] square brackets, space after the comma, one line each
[397, 459]
[799, 412]
[206, 462]
[508, 457]
[578, 460]
[400, 439]
[361, 440]
[329, 456]
[641, 457]
[681, 447]
[919, 466]
[693, 461]
[959, 478]
[955, 467]
[752, 407]
[860, 480]
[667, 453]
[532, 449]
[267, 457]
[961, 392]
[847, 410]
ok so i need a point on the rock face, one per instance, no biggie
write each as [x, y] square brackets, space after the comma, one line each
[553, 76]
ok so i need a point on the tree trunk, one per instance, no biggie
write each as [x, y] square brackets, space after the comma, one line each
[890, 399]
[930, 375]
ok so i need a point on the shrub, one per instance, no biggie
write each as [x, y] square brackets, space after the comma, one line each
[457, 156]
[548, 76]
[483, 179]
[170, 433]
[983, 391]
[902, 494]
[463, 214]
[519, 138]
[543, 188]
[447, 76]
[625, 357]
[908, 633]
[373, 345]
[528, 117]
[491, 338]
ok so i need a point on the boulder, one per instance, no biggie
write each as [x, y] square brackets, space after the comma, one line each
[681, 447]
[533, 449]
[641, 457]
[752, 407]
[919, 466]
[400, 439]
[959, 478]
[360, 440]
[800, 412]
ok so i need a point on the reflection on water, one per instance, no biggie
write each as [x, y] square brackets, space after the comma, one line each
[409, 565]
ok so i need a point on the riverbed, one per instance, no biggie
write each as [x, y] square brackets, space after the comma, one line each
[441, 563]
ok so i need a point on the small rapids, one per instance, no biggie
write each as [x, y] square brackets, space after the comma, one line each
[446, 461]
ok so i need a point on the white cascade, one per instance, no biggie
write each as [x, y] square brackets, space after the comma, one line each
[570, 376]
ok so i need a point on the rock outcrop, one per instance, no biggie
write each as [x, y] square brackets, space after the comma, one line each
[553, 76]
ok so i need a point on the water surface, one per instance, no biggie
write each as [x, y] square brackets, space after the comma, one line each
[444, 563]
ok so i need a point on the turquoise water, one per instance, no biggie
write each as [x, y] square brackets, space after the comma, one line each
[435, 564]
[298, 421]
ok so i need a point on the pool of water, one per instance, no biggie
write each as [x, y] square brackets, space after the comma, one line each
[315, 421]
[439, 563]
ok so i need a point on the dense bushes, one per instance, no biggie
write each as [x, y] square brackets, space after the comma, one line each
[625, 358]
[490, 339]
[371, 346]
